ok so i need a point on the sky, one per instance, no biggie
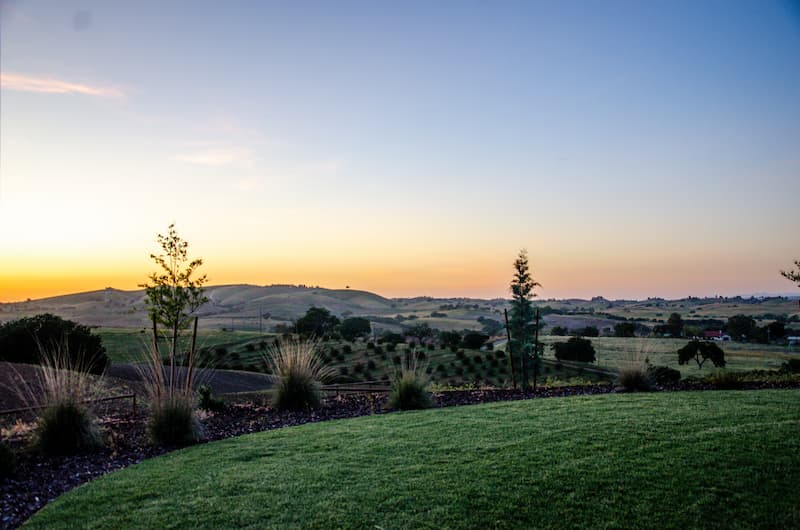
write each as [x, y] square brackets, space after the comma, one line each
[635, 149]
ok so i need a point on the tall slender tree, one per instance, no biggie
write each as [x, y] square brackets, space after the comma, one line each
[174, 295]
[521, 324]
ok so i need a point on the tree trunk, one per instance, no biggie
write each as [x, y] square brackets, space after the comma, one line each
[510, 355]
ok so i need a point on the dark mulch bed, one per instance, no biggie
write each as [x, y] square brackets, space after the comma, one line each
[40, 479]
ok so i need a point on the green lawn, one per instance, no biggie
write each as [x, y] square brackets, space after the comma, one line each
[677, 460]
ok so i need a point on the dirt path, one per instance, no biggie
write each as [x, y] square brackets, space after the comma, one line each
[220, 381]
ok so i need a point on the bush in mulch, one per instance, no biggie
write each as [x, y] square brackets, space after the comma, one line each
[173, 422]
[66, 428]
[208, 402]
[8, 461]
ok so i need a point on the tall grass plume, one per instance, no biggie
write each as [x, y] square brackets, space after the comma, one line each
[172, 398]
[410, 387]
[298, 372]
[61, 394]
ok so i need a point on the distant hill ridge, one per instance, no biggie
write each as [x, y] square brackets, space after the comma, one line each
[255, 307]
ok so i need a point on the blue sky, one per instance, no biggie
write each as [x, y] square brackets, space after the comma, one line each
[635, 148]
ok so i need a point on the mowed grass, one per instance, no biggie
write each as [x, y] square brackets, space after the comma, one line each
[672, 460]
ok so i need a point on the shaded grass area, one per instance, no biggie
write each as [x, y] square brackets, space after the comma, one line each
[710, 459]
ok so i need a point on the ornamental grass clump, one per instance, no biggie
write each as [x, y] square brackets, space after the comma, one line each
[410, 388]
[65, 423]
[633, 378]
[170, 390]
[298, 373]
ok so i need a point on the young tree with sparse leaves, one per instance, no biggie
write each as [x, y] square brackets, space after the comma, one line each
[521, 324]
[173, 294]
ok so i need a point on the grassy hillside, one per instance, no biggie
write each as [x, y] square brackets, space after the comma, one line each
[670, 460]
[352, 361]
[260, 308]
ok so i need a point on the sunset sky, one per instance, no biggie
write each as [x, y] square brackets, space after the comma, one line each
[408, 148]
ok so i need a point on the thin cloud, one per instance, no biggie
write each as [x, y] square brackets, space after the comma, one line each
[49, 85]
[226, 156]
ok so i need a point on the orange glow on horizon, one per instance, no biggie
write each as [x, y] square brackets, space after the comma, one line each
[486, 278]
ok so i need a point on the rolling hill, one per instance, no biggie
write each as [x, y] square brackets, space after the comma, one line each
[259, 308]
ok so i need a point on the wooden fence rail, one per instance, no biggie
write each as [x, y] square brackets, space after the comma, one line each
[131, 396]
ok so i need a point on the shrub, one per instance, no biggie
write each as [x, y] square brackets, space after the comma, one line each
[664, 375]
[8, 461]
[173, 422]
[791, 366]
[370, 365]
[500, 354]
[208, 401]
[370, 345]
[396, 360]
[575, 349]
[478, 359]
[358, 368]
[725, 380]
[410, 388]
[474, 340]
[354, 327]
[633, 378]
[298, 374]
[250, 347]
[390, 347]
[22, 341]
[343, 370]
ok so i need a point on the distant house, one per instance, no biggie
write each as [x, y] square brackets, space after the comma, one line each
[715, 335]
[793, 341]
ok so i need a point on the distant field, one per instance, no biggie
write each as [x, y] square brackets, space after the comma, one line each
[696, 308]
[242, 350]
[125, 345]
[616, 352]
[664, 460]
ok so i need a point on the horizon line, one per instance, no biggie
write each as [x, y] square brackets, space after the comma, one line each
[347, 288]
